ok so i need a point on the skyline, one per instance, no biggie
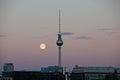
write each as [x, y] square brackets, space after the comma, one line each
[91, 33]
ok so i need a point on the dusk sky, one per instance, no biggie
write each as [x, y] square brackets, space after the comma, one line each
[91, 33]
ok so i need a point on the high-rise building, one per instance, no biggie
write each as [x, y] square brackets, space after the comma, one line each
[8, 67]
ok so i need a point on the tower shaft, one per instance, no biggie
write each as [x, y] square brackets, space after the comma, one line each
[59, 57]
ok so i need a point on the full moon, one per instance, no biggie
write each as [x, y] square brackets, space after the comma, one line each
[42, 46]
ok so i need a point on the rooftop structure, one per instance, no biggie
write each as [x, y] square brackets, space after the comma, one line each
[8, 67]
[93, 69]
[51, 69]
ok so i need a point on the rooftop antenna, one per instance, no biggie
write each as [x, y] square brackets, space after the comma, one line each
[59, 43]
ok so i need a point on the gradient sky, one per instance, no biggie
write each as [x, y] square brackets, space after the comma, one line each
[91, 33]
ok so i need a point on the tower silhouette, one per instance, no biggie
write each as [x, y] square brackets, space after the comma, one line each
[59, 42]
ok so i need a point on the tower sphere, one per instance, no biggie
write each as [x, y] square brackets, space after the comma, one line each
[59, 41]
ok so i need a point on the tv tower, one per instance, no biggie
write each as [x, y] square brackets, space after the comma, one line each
[59, 43]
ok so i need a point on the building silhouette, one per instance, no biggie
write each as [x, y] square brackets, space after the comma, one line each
[51, 69]
[34, 75]
[78, 73]
[95, 73]
[8, 67]
[6, 78]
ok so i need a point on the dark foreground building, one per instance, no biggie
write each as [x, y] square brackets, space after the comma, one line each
[95, 73]
[34, 75]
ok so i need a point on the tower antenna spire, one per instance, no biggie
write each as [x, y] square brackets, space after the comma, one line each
[59, 22]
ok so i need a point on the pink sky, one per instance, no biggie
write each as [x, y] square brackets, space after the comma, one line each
[94, 27]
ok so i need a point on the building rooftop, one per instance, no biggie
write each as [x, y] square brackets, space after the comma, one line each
[94, 69]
